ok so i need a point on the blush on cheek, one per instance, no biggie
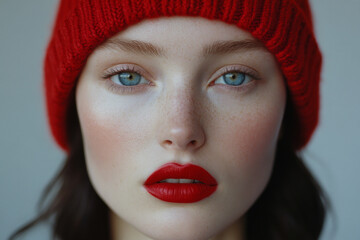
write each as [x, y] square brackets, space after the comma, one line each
[252, 136]
[104, 137]
[101, 147]
[251, 144]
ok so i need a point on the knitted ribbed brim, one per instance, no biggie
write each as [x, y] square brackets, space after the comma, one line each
[284, 26]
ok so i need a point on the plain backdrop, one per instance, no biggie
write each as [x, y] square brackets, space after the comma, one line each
[29, 157]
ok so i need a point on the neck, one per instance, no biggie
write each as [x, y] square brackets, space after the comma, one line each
[122, 230]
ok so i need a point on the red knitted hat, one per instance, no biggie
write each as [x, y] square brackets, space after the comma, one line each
[284, 26]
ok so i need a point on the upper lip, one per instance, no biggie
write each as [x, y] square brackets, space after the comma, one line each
[175, 170]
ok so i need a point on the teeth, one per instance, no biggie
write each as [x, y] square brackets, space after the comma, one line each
[186, 181]
[172, 180]
[176, 180]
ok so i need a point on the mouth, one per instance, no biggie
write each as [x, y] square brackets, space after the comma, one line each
[180, 183]
[176, 180]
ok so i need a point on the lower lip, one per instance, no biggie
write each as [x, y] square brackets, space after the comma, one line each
[180, 192]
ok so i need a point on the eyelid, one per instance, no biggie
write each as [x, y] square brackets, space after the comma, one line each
[112, 71]
[236, 68]
[122, 89]
[126, 68]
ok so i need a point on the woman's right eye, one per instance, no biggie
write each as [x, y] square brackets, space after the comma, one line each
[128, 79]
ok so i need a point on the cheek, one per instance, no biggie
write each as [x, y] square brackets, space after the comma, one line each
[112, 134]
[248, 142]
[253, 137]
[252, 145]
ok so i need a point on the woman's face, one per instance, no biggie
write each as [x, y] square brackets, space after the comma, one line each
[180, 90]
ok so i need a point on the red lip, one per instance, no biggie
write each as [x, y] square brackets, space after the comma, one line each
[180, 192]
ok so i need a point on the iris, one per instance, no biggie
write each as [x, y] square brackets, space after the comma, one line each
[234, 78]
[129, 78]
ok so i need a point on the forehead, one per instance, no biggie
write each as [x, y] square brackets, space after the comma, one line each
[183, 29]
[186, 35]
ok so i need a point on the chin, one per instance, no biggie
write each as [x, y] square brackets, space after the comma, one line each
[180, 232]
[184, 225]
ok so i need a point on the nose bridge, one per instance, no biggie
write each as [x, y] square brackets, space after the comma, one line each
[180, 106]
[181, 127]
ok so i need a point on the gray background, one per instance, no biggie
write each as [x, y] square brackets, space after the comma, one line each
[30, 158]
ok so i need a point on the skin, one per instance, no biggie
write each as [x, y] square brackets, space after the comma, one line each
[181, 113]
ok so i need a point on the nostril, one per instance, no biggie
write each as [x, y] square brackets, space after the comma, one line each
[193, 143]
[168, 142]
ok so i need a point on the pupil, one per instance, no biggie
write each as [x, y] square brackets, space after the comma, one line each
[129, 79]
[234, 79]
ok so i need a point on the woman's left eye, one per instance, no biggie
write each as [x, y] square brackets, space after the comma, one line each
[233, 78]
[128, 79]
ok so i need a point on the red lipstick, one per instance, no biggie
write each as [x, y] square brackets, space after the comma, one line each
[178, 183]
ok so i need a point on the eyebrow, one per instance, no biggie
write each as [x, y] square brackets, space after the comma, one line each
[135, 46]
[227, 47]
[215, 48]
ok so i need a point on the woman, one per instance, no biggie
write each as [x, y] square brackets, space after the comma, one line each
[182, 120]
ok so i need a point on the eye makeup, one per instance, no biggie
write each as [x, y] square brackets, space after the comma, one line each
[123, 89]
[248, 72]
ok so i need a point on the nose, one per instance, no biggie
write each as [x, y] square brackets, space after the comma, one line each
[180, 127]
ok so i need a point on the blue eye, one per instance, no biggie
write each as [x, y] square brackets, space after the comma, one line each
[128, 79]
[234, 78]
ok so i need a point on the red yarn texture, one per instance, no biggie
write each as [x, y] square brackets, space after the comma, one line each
[284, 26]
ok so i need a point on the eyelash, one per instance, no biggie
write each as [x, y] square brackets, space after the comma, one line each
[123, 89]
[130, 89]
[236, 69]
